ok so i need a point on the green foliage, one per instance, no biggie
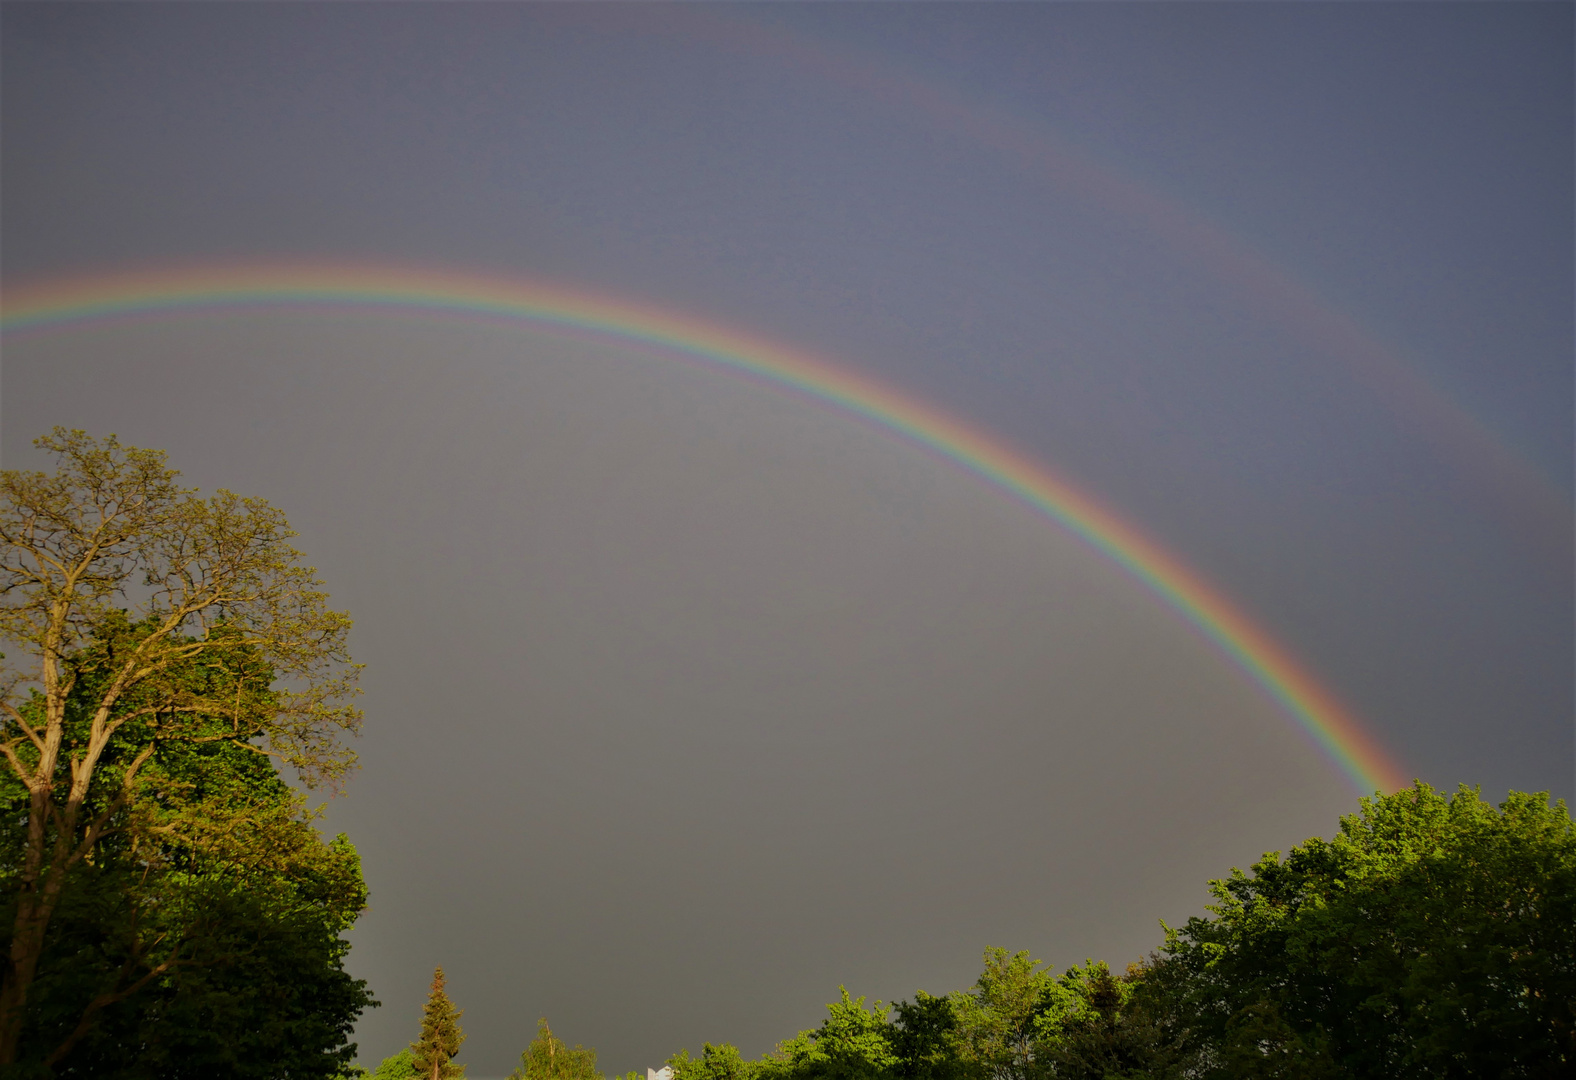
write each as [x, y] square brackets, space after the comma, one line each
[1020, 1022]
[1093, 1033]
[162, 647]
[256, 989]
[402, 1066]
[203, 936]
[440, 1037]
[999, 1018]
[722, 1062]
[926, 1038]
[852, 1043]
[1432, 937]
[549, 1058]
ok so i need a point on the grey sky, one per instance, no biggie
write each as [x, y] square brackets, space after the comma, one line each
[687, 700]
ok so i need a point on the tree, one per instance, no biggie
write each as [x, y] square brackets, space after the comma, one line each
[1093, 1032]
[1000, 1017]
[440, 1035]
[722, 1062]
[550, 1058]
[269, 997]
[248, 950]
[927, 1040]
[1434, 936]
[852, 1043]
[146, 621]
[400, 1066]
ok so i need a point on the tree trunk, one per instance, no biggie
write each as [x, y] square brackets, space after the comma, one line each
[40, 892]
[27, 945]
[20, 966]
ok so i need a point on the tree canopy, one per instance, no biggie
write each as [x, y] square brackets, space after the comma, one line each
[163, 651]
[1433, 936]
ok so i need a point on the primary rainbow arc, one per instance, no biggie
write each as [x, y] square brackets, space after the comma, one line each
[141, 295]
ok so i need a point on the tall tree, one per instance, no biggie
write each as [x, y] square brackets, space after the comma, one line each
[115, 579]
[440, 1036]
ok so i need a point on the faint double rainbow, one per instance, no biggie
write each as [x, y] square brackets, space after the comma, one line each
[1535, 509]
[137, 296]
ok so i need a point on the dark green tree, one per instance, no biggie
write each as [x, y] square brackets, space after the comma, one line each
[1433, 937]
[927, 1040]
[203, 937]
[1094, 1033]
[440, 1038]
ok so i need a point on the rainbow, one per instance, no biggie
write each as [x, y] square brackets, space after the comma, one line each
[1536, 507]
[143, 295]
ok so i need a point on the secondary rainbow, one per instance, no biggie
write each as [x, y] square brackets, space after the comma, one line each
[425, 293]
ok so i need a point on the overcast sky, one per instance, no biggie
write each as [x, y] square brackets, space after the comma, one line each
[689, 700]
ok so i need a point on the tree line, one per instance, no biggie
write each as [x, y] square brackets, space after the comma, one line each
[1433, 937]
[172, 911]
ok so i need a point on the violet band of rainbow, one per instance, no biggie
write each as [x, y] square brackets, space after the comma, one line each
[135, 296]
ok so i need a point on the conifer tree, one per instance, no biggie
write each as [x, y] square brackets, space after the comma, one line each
[440, 1035]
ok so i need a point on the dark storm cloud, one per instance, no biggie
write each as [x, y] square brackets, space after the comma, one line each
[688, 702]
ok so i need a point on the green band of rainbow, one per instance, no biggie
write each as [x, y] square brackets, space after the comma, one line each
[141, 295]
